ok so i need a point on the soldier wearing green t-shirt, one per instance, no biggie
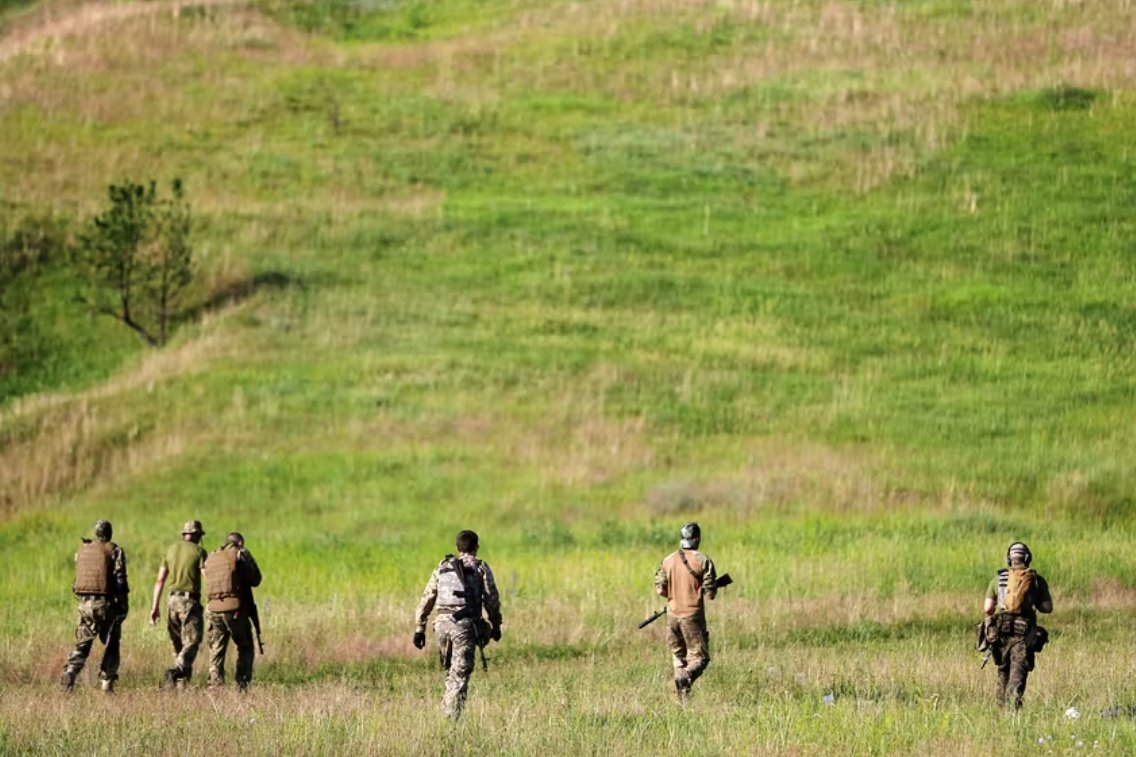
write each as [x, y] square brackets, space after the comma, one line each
[185, 618]
[1014, 597]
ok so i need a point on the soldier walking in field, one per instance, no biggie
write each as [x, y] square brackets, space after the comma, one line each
[685, 578]
[185, 617]
[231, 573]
[1014, 597]
[104, 601]
[461, 588]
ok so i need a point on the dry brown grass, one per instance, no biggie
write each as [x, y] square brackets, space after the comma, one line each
[61, 442]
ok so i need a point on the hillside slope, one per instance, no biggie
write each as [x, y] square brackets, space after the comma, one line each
[850, 283]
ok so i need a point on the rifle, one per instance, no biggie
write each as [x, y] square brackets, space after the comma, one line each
[254, 616]
[723, 581]
[469, 613]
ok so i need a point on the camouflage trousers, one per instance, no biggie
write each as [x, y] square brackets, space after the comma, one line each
[98, 618]
[1014, 666]
[237, 626]
[457, 647]
[185, 622]
[689, 642]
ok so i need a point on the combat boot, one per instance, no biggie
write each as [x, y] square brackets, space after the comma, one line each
[67, 681]
[682, 684]
[107, 685]
[169, 679]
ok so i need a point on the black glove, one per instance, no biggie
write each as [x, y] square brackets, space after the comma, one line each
[495, 633]
[420, 639]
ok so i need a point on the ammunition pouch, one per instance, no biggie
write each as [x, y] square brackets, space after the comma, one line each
[1036, 639]
[1013, 625]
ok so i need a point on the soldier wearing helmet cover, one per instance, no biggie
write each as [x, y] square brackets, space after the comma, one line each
[1014, 597]
[185, 617]
[461, 588]
[686, 577]
[104, 594]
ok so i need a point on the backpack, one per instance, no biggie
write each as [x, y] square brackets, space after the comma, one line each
[1019, 584]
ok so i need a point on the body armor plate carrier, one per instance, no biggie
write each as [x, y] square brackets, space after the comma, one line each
[93, 568]
[221, 574]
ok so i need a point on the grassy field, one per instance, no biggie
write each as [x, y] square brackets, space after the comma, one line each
[850, 283]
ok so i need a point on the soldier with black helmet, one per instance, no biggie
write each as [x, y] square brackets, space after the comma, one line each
[104, 601]
[231, 573]
[1014, 597]
[685, 578]
[462, 587]
[185, 616]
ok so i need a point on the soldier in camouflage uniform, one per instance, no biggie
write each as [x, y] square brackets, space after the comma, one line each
[104, 601]
[185, 616]
[1013, 598]
[230, 575]
[461, 588]
[684, 578]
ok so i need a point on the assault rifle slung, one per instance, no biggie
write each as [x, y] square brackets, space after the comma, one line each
[723, 581]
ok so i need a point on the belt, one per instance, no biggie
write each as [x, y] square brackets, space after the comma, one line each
[189, 594]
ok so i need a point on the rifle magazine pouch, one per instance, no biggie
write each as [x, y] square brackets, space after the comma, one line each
[1036, 639]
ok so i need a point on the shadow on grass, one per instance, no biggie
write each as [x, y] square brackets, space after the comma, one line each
[238, 291]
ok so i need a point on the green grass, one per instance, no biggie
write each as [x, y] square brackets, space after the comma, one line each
[847, 283]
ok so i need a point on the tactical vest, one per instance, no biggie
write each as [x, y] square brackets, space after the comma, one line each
[459, 586]
[93, 567]
[221, 574]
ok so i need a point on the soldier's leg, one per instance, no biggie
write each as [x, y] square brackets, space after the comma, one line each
[192, 631]
[218, 644]
[463, 649]
[174, 617]
[697, 640]
[85, 634]
[676, 643]
[110, 631]
[1002, 659]
[240, 628]
[1019, 669]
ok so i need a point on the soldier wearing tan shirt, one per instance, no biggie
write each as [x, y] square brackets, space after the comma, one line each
[686, 578]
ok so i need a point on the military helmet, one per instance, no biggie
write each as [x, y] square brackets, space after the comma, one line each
[1019, 551]
[193, 527]
[690, 536]
[103, 529]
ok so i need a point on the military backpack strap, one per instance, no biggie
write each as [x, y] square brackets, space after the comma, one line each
[682, 556]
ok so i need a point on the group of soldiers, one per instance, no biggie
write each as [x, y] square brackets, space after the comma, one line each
[463, 593]
[103, 589]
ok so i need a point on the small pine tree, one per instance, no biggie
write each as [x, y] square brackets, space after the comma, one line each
[137, 258]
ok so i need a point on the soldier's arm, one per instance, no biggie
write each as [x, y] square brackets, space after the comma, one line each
[122, 585]
[491, 597]
[1044, 601]
[990, 604]
[426, 604]
[710, 579]
[251, 569]
[155, 606]
[661, 586]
